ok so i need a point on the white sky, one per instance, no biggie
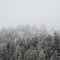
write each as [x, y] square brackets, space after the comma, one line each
[38, 12]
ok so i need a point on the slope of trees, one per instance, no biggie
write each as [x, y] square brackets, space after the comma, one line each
[25, 43]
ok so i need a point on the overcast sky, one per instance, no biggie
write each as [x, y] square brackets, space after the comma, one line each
[38, 12]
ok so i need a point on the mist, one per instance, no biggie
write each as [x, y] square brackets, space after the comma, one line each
[33, 12]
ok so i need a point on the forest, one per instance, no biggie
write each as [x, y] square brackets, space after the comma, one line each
[29, 43]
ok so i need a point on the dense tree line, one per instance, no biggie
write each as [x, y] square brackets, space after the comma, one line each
[26, 43]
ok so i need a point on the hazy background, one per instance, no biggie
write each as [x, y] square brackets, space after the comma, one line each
[33, 12]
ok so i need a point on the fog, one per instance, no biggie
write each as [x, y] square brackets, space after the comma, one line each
[29, 29]
[33, 12]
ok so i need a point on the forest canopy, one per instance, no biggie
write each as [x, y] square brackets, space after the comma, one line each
[29, 43]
